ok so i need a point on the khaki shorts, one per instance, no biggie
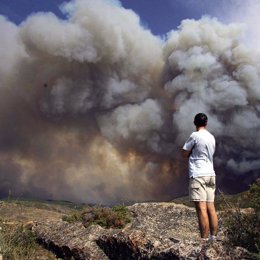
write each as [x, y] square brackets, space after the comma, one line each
[202, 188]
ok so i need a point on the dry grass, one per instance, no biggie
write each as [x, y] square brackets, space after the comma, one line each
[19, 243]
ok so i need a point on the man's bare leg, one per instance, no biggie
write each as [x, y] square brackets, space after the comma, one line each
[213, 218]
[202, 213]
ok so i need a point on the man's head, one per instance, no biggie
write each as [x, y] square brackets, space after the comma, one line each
[200, 120]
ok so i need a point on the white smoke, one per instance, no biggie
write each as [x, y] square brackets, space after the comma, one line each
[134, 122]
[95, 108]
[246, 12]
[10, 50]
[210, 70]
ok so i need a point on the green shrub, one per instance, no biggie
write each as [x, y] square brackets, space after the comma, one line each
[72, 218]
[254, 195]
[122, 213]
[243, 226]
[115, 217]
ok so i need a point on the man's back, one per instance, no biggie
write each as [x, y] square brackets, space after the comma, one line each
[202, 146]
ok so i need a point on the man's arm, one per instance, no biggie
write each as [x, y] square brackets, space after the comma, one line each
[188, 146]
[185, 153]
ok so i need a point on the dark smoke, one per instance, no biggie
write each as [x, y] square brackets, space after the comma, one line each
[95, 108]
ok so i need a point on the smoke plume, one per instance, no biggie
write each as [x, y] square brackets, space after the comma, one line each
[95, 108]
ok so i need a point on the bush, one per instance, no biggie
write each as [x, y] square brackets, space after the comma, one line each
[243, 227]
[254, 195]
[116, 217]
[72, 218]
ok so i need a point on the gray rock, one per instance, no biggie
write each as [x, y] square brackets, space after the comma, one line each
[157, 231]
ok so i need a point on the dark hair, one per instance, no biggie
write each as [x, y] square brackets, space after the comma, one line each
[200, 120]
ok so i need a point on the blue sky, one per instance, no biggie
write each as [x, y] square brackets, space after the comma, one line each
[160, 16]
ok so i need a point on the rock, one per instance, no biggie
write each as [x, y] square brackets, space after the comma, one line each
[157, 231]
[70, 241]
[29, 225]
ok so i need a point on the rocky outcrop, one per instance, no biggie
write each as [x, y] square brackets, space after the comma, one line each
[157, 231]
[70, 241]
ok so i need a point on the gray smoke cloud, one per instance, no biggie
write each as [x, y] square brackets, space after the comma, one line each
[209, 69]
[95, 108]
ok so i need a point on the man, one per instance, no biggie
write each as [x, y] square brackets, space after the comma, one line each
[199, 148]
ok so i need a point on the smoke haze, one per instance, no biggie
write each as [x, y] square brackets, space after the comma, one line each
[95, 108]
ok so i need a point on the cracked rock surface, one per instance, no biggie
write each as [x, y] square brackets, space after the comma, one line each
[157, 231]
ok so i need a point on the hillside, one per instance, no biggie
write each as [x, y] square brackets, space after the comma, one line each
[14, 214]
[156, 231]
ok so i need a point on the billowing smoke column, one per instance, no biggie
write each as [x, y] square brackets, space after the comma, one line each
[95, 108]
[208, 69]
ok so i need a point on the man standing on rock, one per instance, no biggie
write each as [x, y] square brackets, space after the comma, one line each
[199, 148]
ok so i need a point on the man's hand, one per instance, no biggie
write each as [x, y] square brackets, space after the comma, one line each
[185, 153]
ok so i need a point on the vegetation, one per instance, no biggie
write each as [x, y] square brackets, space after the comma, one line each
[18, 243]
[243, 226]
[115, 217]
[48, 205]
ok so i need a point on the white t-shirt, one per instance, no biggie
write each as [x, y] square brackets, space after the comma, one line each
[202, 147]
